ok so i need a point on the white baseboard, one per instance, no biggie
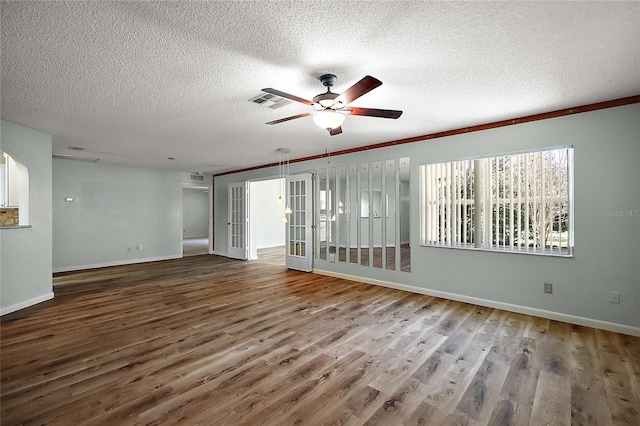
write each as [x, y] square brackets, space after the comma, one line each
[218, 253]
[114, 263]
[283, 245]
[557, 316]
[26, 303]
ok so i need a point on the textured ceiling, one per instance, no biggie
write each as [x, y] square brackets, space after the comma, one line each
[137, 82]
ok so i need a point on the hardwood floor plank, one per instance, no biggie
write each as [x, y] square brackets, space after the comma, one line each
[466, 357]
[404, 358]
[551, 405]
[399, 408]
[364, 401]
[624, 406]
[632, 346]
[252, 404]
[208, 339]
[587, 405]
[481, 396]
[518, 391]
[289, 405]
[328, 406]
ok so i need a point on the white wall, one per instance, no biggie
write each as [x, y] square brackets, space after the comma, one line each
[265, 228]
[14, 183]
[25, 253]
[116, 209]
[607, 247]
[195, 212]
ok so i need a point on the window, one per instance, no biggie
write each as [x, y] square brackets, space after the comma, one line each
[14, 192]
[520, 202]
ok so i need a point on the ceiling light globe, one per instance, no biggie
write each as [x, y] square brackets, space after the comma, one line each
[328, 119]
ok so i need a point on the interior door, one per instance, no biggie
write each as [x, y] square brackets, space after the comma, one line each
[238, 221]
[299, 252]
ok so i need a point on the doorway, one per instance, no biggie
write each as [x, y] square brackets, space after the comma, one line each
[196, 228]
[257, 221]
[266, 231]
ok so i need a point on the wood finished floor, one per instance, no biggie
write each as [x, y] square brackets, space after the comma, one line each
[212, 341]
[195, 246]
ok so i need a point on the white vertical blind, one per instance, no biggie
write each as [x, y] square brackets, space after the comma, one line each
[518, 202]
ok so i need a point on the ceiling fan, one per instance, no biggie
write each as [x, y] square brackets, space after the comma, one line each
[331, 108]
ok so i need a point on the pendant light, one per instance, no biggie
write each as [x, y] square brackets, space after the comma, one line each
[286, 152]
[280, 201]
[283, 168]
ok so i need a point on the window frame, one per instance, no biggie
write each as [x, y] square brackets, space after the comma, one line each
[444, 186]
[15, 192]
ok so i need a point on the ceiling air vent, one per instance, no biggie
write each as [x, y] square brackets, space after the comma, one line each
[270, 101]
[76, 148]
[196, 178]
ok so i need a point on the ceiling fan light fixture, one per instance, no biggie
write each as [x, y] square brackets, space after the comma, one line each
[328, 119]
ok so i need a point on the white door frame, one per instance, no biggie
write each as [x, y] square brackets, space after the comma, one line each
[299, 248]
[240, 251]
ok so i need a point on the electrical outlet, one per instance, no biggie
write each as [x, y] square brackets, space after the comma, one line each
[548, 288]
[139, 246]
[614, 297]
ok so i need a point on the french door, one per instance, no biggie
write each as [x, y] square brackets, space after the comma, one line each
[238, 221]
[299, 249]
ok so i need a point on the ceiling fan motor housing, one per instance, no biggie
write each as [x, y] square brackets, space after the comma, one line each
[326, 100]
[328, 80]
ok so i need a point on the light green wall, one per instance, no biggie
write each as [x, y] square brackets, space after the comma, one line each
[25, 253]
[607, 247]
[195, 213]
[115, 209]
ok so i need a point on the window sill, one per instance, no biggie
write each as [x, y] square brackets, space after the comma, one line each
[514, 251]
[15, 227]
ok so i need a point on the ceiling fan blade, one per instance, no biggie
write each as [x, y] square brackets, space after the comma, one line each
[365, 85]
[293, 117]
[372, 112]
[288, 96]
[335, 131]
